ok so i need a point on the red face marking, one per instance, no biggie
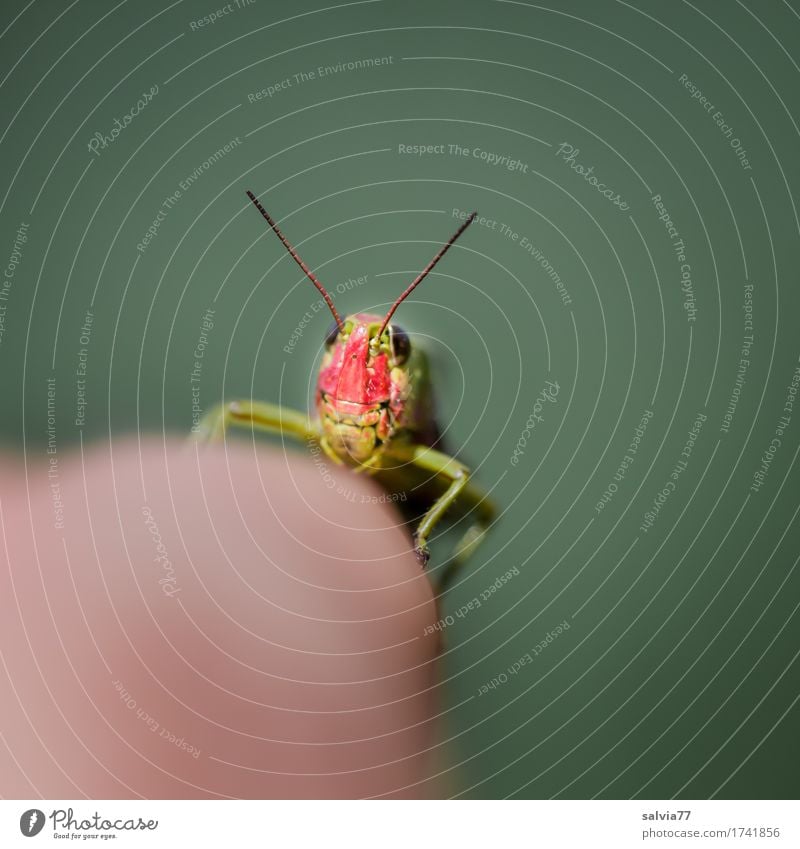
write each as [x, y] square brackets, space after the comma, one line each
[354, 376]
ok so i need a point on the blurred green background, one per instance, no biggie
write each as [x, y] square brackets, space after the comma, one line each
[678, 673]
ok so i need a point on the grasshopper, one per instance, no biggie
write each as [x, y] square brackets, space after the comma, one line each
[374, 413]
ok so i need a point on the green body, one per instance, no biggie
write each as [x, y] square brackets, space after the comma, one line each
[408, 461]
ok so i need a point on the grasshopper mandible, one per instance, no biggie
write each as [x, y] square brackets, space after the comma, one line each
[375, 412]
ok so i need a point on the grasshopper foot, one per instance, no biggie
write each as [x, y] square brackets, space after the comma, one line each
[421, 550]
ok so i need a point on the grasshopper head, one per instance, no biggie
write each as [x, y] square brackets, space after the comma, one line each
[363, 384]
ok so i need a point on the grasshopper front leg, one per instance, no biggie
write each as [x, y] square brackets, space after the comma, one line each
[460, 488]
[255, 415]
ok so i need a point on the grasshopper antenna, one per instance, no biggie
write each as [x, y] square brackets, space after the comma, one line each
[425, 273]
[296, 258]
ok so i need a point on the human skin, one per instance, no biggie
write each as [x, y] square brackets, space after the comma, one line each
[210, 622]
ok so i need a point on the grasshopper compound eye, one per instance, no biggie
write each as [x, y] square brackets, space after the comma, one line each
[401, 344]
[330, 336]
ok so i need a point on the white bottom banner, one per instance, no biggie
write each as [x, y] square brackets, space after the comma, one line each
[406, 824]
